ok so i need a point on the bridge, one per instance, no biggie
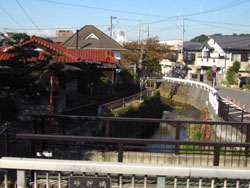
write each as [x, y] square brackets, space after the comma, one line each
[57, 147]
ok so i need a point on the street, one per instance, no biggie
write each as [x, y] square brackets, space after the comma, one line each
[243, 97]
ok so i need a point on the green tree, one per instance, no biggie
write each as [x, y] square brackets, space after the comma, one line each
[209, 76]
[200, 38]
[236, 66]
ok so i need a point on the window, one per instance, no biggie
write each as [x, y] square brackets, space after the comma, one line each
[244, 57]
[236, 57]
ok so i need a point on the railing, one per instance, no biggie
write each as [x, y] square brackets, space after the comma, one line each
[213, 97]
[47, 172]
[4, 142]
[204, 153]
[121, 102]
[210, 61]
[171, 134]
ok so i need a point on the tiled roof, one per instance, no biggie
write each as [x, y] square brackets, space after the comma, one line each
[231, 42]
[63, 58]
[96, 55]
[68, 55]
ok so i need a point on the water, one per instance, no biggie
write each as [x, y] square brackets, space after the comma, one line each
[167, 131]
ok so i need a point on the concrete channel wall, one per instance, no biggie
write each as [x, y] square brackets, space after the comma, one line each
[195, 96]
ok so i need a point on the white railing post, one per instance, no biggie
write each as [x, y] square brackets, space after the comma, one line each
[161, 181]
[5, 180]
[21, 179]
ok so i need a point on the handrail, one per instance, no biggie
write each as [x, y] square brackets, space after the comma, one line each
[213, 96]
[124, 168]
[128, 140]
[149, 120]
[191, 82]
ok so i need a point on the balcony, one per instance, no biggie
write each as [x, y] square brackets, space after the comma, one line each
[209, 62]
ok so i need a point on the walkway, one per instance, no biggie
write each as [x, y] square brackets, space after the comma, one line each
[243, 97]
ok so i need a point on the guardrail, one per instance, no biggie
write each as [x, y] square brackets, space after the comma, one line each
[56, 172]
[213, 97]
[121, 102]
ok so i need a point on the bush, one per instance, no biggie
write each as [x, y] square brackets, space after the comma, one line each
[236, 66]
[209, 76]
[246, 86]
[230, 77]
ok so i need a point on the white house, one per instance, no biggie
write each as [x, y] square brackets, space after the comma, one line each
[222, 51]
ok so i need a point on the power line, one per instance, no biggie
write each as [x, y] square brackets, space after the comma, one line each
[27, 15]
[225, 6]
[11, 16]
[50, 28]
[104, 9]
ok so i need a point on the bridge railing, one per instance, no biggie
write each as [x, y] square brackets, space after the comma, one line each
[154, 151]
[213, 97]
[47, 172]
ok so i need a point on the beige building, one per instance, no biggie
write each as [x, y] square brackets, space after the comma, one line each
[64, 33]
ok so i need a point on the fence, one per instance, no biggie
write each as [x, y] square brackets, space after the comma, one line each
[213, 98]
[4, 142]
[164, 141]
[50, 173]
[121, 102]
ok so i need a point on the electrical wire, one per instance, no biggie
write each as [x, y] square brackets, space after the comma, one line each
[27, 15]
[11, 16]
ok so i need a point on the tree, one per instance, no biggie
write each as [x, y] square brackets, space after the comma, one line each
[236, 66]
[146, 55]
[200, 38]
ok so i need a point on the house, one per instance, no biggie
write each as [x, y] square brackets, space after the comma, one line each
[191, 50]
[222, 51]
[91, 63]
[5, 39]
[89, 37]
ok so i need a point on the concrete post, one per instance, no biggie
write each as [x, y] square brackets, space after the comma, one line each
[161, 182]
[21, 179]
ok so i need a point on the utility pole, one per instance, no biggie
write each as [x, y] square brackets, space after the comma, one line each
[139, 34]
[183, 31]
[111, 25]
[148, 31]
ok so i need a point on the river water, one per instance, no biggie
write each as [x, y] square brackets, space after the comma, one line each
[166, 131]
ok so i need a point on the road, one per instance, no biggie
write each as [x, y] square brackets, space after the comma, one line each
[243, 97]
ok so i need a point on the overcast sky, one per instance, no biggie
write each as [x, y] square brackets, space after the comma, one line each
[163, 17]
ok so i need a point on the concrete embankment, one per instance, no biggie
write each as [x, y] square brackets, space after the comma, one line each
[197, 97]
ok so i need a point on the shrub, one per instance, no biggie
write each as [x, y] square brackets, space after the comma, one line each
[246, 86]
[230, 77]
[209, 76]
[236, 66]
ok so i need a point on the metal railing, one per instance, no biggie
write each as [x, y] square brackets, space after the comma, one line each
[213, 97]
[47, 172]
[4, 142]
[203, 153]
[164, 141]
[122, 102]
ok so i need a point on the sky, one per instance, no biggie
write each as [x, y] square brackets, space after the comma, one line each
[162, 18]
